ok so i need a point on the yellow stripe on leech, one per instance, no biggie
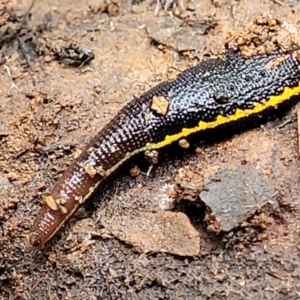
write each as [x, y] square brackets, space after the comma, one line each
[273, 101]
[239, 114]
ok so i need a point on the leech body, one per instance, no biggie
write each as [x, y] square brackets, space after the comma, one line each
[210, 95]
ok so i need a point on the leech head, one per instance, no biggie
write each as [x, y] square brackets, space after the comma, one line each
[71, 190]
[35, 240]
[45, 226]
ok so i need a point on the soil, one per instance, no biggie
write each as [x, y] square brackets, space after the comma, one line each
[66, 68]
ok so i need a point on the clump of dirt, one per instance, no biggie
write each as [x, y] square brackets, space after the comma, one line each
[264, 36]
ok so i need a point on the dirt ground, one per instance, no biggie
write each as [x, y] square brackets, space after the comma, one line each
[131, 241]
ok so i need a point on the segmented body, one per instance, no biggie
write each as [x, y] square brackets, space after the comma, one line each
[210, 95]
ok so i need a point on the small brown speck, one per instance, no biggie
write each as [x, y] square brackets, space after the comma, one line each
[90, 150]
[135, 171]
[183, 143]
[63, 209]
[151, 156]
[90, 170]
[214, 226]
[61, 201]
[101, 171]
[160, 105]
[172, 193]
[51, 203]
[113, 149]
[77, 153]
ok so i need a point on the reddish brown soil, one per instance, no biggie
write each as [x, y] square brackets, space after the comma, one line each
[48, 110]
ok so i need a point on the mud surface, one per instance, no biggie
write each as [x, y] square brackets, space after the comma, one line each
[50, 108]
